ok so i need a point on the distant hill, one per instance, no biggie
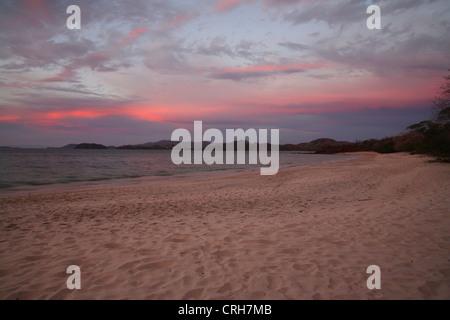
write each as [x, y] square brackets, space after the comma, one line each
[90, 146]
[406, 142]
[308, 146]
[69, 146]
[403, 142]
[159, 145]
[322, 143]
[168, 145]
[313, 146]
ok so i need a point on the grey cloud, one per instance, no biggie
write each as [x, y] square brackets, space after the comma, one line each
[403, 46]
[217, 47]
[245, 49]
[333, 13]
[43, 102]
[104, 25]
[347, 11]
[71, 90]
[246, 75]
[417, 52]
[293, 45]
[168, 57]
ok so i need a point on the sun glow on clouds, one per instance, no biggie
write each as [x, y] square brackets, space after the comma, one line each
[162, 62]
[132, 35]
[228, 4]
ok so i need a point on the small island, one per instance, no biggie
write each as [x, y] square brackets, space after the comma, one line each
[90, 146]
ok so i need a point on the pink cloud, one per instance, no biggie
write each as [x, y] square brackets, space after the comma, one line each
[97, 60]
[228, 4]
[137, 31]
[195, 101]
[79, 113]
[179, 20]
[39, 9]
[131, 36]
[52, 118]
[10, 119]
[65, 75]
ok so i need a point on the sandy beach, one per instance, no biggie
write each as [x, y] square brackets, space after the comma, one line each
[306, 233]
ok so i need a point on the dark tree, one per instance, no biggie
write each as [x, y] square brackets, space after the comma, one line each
[436, 132]
[441, 103]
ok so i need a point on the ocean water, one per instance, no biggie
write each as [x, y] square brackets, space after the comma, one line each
[41, 167]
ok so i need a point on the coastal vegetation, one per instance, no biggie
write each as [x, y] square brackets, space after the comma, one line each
[426, 137]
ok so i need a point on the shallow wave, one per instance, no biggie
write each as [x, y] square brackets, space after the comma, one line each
[41, 167]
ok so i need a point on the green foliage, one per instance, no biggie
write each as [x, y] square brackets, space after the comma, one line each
[423, 126]
[441, 104]
[436, 132]
[385, 145]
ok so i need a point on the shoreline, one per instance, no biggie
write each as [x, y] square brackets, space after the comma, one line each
[309, 232]
[119, 182]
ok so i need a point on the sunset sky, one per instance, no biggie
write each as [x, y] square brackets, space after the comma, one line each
[139, 69]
